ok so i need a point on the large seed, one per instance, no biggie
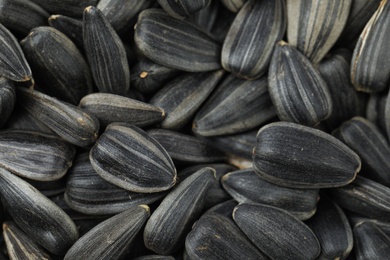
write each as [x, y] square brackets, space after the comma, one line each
[20, 119]
[122, 149]
[72, 8]
[7, 100]
[224, 208]
[180, 9]
[297, 156]
[276, 233]
[169, 224]
[176, 44]
[105, 53]
[248, 46]
[73, 28]
[376, 110]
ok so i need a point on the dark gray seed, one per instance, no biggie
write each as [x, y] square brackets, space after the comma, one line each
[346, 103]
[248, 46]
[181, 9]
[59, 68]
[122, 14]
[217, 237]
[206, 17]
[20, 246]
[186, 148]
[13, 64]
[382, 225]
[105, 53]
[122, 149]
[35, 156]
[174, 43]
[148, 76]
[332, 229]
[223, 23]
[60, 201]
[49, 188]
[236, 106]
[110, 108]
[314, 26]
[367, 141]
[296, 156]
[71, 27]
[183, 96]
[7, 100]
[73, 124]
[169, 224]
[20, 16]
[370, 67]
[364, 197]
[375, 110]
[371, 242]
[276, 233]
[111, 238]
[88, 193]
[72, 8]
[224, 208]
[154, 257]
[245, 186]
[233, 5]
[37, 215]
[386, 118]
[297, 89]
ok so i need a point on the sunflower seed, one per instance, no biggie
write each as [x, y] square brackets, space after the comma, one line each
[314, 26]
[73, 124]
[110, 108]
[332, 229]
[298, 156]
[36, 215]
[7, 100]
[169, 224]
[49, 188]
[206, 18]
[386, 118]
[110, 239]
[236, 106]
[376, 107]
[224, 208]
[246, 186]
[248, 46]
[175, 44]
[119, 152]
[71, 27]
[233, 5]
[370, 67]
[217, 237]
[181, 9]
[297, 89]
[105, 53]
[72, 8]
[182, 97]
[59, 68]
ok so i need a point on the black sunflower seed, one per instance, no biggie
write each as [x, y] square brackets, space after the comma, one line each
[183, 8]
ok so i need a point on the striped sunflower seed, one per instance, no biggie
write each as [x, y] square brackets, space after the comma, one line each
[245, 186]
[275, 232]
[110, 239]
[71, 27]
[217, 237]
[110, 108]
[297, 89]
[49, 188]
[59, 68]
[7, 100]
[233, 5]
[183, 96]
[248, 46]
[296, 156]
[72, 8]
[181, 9]
[224, 208]
[206, 18]
[314, 26]
[37, 215]
[386, 117]
[35, 156]
[174, 43]
[370, 67]
[73, 124]
[236, 106]
[119, 152]
[376, 109]
[169, 224]
[105, 53]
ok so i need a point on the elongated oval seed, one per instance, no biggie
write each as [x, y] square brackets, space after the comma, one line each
[37, 215]
[72, 8]
[35, 156]
[105, 53]
[20, 119]
[246, 186]
[297, 89]
[7, 100]
[275, 232]
[370, 67]
[119, 152]
[217, 237]
[167, 227]
[71, 27]
[296, 156]
[111, 238]
[181, 9]
[185, 47]
[248, 46]
[73, 124]
[314, 26]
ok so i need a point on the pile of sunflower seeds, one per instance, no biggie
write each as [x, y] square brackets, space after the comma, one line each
[195, 129]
